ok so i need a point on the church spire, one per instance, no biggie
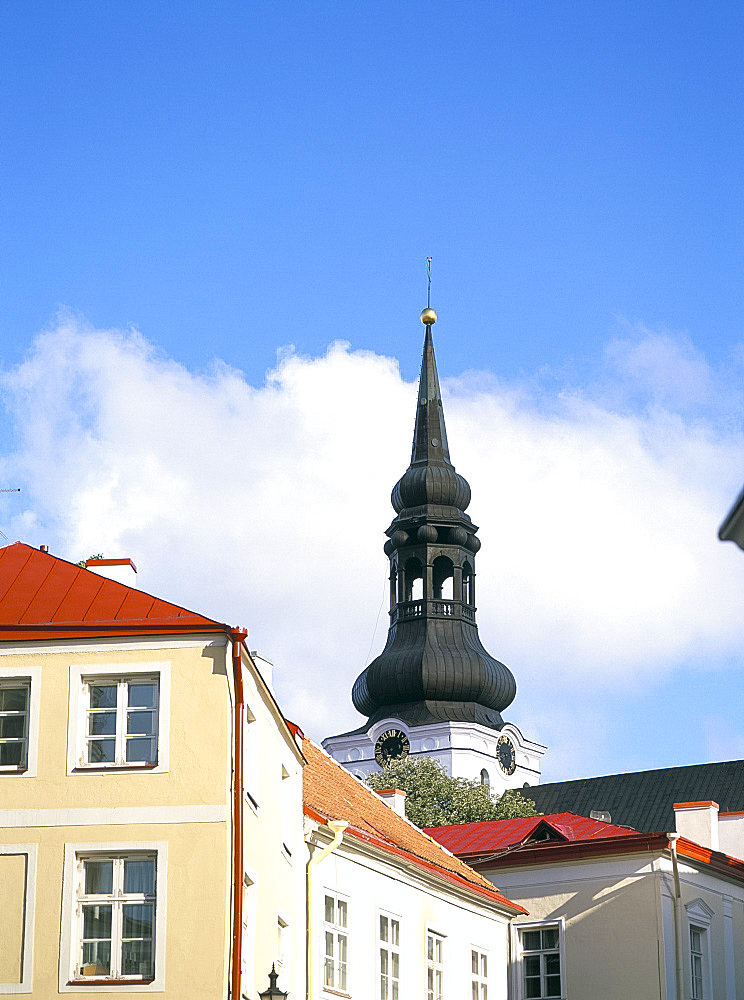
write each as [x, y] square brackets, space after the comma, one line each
[433, 667]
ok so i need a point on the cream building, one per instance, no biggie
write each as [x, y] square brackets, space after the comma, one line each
[150, 795]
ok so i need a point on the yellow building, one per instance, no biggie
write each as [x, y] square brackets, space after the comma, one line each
[139, 744]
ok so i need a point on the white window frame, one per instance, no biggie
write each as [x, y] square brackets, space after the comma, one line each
[435, 964]
[26, 984]
[287, 814]
[248, 945]
[339, 931]
[479, 974]
[251, 762]
[77, 736]
[283, 950]
[70, 939]
[699, 918]
[392, 950]
[30, 678]
[517, 950]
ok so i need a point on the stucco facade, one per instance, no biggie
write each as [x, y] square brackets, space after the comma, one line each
[119, 815]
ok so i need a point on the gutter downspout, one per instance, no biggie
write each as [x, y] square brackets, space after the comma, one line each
[673, 838]
[238, 636]
[338, 826]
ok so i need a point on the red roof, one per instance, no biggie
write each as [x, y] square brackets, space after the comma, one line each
[44, 597]
[331, 792]
[492, 836]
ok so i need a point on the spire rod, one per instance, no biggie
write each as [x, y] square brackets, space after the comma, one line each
[428, 316]
[428, 289]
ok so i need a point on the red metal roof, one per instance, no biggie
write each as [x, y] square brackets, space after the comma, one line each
[44, 597]
[470, 840]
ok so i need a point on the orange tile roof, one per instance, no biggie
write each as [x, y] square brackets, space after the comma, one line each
[331, 792]
[44, 597]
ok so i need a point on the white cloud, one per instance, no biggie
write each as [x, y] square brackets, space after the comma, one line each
[266, 506]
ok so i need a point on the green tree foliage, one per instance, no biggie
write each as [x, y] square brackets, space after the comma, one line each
[435, 799]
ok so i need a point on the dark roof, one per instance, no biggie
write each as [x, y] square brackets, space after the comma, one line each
[645, 800]
[44, 597]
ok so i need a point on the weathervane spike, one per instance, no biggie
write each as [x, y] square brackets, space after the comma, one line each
[428, 316]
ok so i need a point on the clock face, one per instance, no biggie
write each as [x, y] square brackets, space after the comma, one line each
[391, 745]
[506, 755]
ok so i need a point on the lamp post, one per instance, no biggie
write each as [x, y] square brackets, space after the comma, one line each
[273, 991]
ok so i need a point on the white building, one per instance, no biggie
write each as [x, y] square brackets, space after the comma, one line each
[391, 913]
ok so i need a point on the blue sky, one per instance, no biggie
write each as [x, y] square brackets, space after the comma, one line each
[187, 190]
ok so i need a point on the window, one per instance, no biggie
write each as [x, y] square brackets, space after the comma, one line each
[116, 917]
[389, 951]
[478, 974]
[283, 952]
[434, 966]
[250, 758]
[249, 932]
[336, 942]
[699, 916]
[287, 814]
[541, 961]
[697, 954]
[14, 705]
[119, 718]
[121, 721]
[19, 720]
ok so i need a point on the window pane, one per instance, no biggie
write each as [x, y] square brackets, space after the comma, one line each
[329, 910]
[99, 877]
[383, 961]
[143, 695]
[430, 948]
[141, 723]
[383, 928]
[532, 988]
[341, 913]
[554, 986]
[553, 965]
[139, 875]
[96, 958]
[137, 921]
[474, 991]
[12, 754]
[101, 723]
[143, 748]
[101, 751]
[97, 921]
[532, 965]
[395, 932]
[531, 940]
[329, 939]
[474, 962]
[12, 727]
[136, 959]
[13, 699]
[103, 695]
[484, 966]
[396, 965]
[328, 978]
[550, 938]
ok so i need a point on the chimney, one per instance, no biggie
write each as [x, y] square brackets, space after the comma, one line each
[731, 834]
[120, 570]
[265, 668]
[396, 799]
[698, 821]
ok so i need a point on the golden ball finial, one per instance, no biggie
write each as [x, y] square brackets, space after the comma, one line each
[428, 316]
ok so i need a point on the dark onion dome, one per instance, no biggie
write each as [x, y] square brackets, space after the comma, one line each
[431, 476]
[438, 484]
